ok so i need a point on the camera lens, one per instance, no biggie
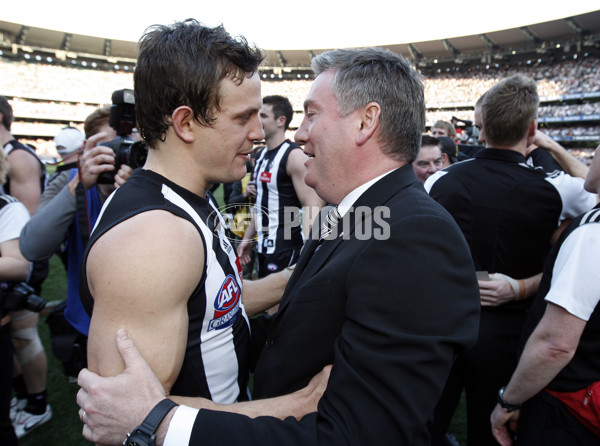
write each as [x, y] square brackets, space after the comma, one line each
[35, 303]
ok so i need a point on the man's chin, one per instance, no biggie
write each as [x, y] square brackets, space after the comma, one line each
[240, 170]
[308, 179]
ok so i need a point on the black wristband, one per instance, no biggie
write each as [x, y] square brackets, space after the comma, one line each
[144, 434]
[509, 407]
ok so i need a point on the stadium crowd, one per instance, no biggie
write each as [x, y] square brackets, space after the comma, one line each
[42, 92]
[69, 94]
[52, 82]
[564, 110]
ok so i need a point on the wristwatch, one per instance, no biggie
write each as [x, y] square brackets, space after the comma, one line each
[144, 434]
[509, 407]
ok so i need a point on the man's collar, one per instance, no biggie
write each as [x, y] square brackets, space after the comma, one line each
[501, 154]
[351, 198]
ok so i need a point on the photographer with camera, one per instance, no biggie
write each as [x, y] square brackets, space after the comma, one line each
[13, 269]
[68, 210]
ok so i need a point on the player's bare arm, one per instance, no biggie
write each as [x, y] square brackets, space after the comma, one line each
[13, 266]
[259, 295]
[141, 274]
[25, 179]
[309, 199]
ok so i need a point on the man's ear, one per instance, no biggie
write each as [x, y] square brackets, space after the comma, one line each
[531, 132]
[533, 127]
[281, 121]
[369, 122]
[183, 122]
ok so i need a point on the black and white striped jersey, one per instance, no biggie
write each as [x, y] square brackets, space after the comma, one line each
[275, 195]
[216, 361]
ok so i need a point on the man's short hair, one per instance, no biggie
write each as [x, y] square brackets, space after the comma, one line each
[183, 64]
[381, 76]
[428, 140]
[7, 113]
[480, 100]
[508, 110]
[448, 126]
[281, 107]
[95, 120]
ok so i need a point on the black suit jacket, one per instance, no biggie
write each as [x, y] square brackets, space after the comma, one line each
[390, 312]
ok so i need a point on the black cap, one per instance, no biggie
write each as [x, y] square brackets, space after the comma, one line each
[449, 147]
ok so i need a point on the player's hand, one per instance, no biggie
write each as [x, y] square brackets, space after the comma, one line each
[113, 406]
[243, 251]
[497, 291]
[250, 190]
[122, 175]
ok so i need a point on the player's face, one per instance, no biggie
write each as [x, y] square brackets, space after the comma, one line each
[437, 132]
[428, 162]
[269, 123]
[326, 137]
[228, 142]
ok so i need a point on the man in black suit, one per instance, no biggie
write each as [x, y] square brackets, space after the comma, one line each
[388, 296]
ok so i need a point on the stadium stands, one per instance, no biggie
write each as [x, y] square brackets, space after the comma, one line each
[48, 93]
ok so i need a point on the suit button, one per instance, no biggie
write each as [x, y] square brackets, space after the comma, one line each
[269, 343]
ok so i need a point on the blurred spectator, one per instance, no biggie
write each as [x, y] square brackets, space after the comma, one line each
[429, 159]
[13, 268]
[450, 151]
[25, 181]
[443, 128]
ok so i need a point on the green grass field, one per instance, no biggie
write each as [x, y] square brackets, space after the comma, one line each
[65, 426]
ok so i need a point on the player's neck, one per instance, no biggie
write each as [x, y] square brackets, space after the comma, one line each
[177, 170]
[275, 141]
[5, 136]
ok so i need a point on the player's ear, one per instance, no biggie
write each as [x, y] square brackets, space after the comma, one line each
[183, 122]
[281, 121]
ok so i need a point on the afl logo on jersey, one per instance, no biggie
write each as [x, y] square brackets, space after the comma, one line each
[227, 304]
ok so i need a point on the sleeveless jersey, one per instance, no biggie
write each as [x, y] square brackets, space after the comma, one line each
[16, 145]
[276, 196]
[216, 361]
[584, 367]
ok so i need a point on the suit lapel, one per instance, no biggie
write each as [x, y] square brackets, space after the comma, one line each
[305, 257]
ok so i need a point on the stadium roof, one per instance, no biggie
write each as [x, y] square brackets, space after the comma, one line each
[579, 31]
